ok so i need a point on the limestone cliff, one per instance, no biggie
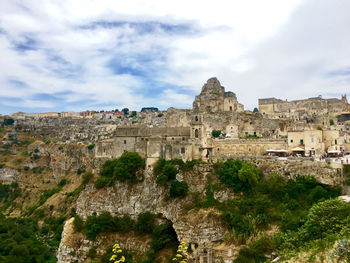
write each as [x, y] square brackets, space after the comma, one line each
[197, 227]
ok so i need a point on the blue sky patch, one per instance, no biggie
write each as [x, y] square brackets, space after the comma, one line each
[28, 43]
[148, 27]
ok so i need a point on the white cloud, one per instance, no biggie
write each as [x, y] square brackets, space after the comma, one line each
[285, 49]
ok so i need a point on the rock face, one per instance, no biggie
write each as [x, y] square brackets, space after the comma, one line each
[8, 175]
[213, 98]
[64, 158]
[200, 227]
[122, 199]
[74, 247]
[291, 168]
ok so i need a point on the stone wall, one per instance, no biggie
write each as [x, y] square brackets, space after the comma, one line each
[293, 167]
[224, 148]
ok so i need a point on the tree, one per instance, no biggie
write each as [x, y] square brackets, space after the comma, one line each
[255, 110]
[127, 166]
[216, 133]
[126, 111]
[331, 122]
[325, 218]
[249, 173]
[178, 189]
[228, 172]
[8, 121]
[145, 223]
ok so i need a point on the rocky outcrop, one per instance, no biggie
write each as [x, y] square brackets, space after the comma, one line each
[8, 175]
[63, 158]
[74, 247]
[201, 227]
[122, 199]
[293, 167]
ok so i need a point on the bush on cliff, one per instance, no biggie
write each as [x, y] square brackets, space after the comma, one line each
[123, 169]
[178, 189]
[239, 175]
[127, 166]
[102, 182]
[145, 223]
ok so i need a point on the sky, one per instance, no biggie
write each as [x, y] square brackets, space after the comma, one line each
[76, 55]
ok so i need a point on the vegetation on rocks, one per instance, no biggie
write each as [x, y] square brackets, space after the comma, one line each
[123, 169]
[163, 235]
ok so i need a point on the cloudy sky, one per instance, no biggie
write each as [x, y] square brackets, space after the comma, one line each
[63, 55]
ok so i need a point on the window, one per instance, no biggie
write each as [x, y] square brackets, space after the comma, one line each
[196, 118]
[183, 150]
[183, 138]
[196, 133]
[312, 139]
[254, 133]
[335, 142]
[301, 141]
[124, 141]
[230, 108]
[291, 140]
[172, 138]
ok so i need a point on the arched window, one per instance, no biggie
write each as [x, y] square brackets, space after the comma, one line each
[196, 118]
[196, 133]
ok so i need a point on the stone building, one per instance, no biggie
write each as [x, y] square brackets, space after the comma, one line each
[315, 142]
[293, 127]
[306, 109]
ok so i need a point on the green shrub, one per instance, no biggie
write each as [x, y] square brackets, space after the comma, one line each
[331, 122]
[257, 251]
[87, 177]
[91, 146]
[126, 224]
[239, 175]
[108, 168]
[22, 241]
[249, 174]
[123, 169]
[92, 253]
[215, 133]
[62, 183]
[325, 218]
[187, 166]
[159, 166]
[37, 170]
[78, 223]
[178, 189]
[318, 193]
[163, 236]
[127, 166]
[80, 171]
[145, 223]
[9, 121]
[168, 174]
[102, 182]
[228, 172]
[106, 223]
